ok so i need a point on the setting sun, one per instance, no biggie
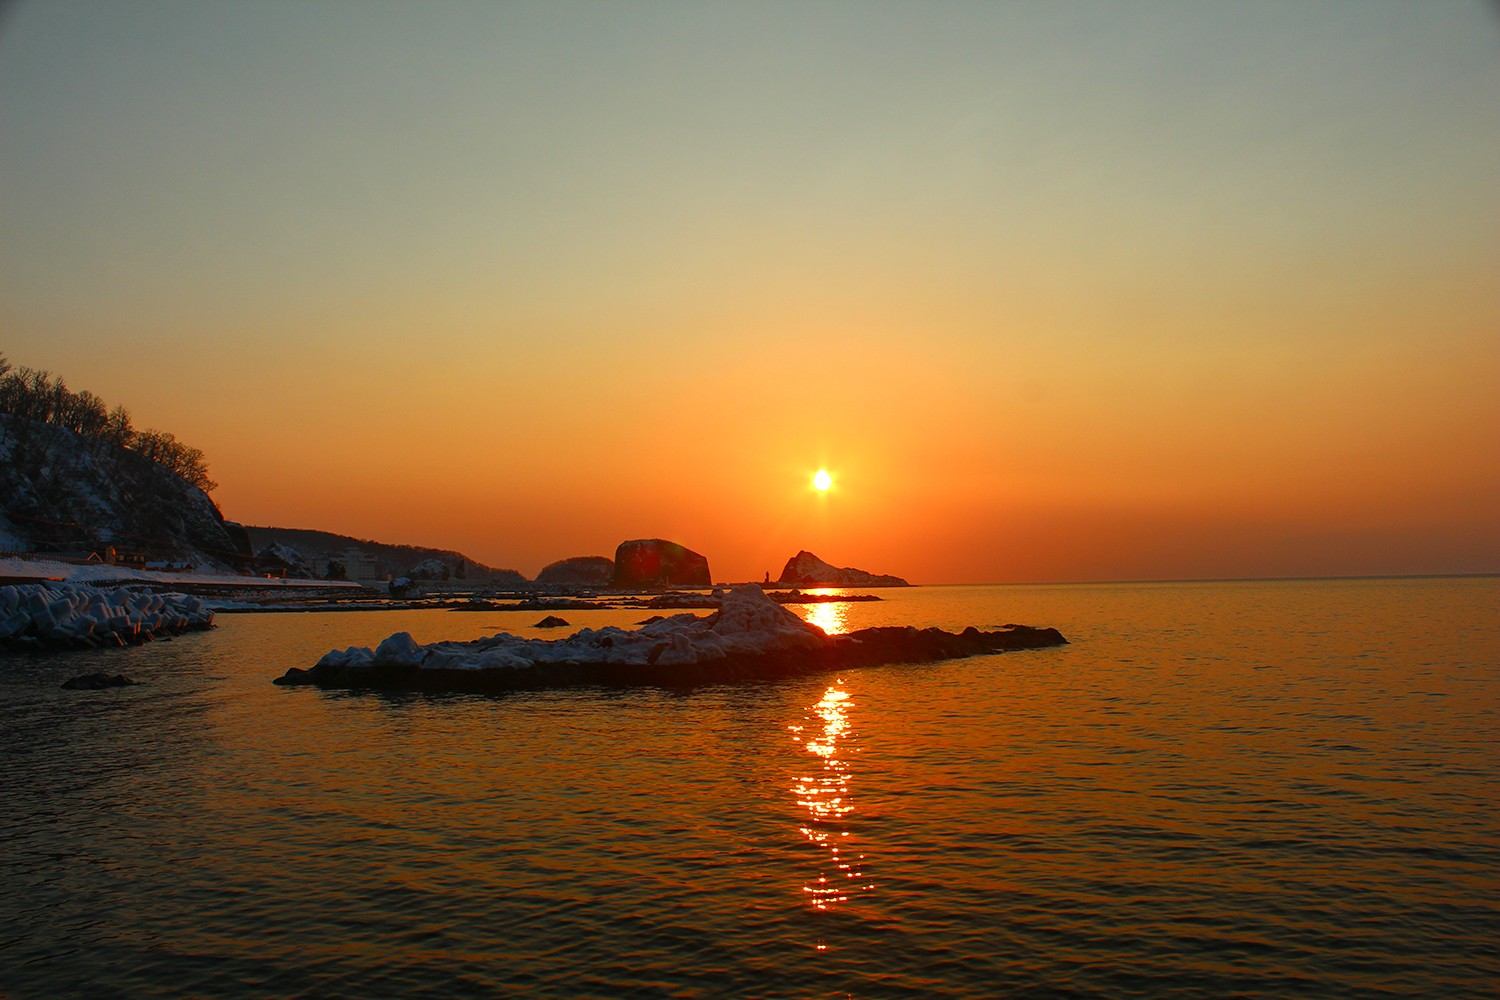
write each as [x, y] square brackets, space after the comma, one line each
[1156, 346]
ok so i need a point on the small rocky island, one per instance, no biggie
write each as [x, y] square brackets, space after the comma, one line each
[750, 637]
[656, 562]
[806, 570]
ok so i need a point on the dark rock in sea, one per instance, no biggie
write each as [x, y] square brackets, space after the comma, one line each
[590, 571]
[551, 621]
[656, 562]
[97, 680]
[806, 570]
[750, 638]
[550, 604]
[865, 648]
[680, 601]
[798, 597]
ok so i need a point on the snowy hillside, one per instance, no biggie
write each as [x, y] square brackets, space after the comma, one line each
[60, 491]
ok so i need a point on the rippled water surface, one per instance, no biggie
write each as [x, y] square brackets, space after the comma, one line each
[1248, 789]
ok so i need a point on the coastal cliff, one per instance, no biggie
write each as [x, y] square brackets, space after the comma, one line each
[66, 493]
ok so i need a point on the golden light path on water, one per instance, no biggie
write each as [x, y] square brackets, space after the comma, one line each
[832, 617]
[826, 797]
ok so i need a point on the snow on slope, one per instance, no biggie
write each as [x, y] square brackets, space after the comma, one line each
[77, 493]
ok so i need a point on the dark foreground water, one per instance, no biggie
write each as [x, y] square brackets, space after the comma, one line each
[1253, 789]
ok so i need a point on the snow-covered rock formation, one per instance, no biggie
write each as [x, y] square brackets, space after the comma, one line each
[806, 570]
[748, 622]
[74, 615]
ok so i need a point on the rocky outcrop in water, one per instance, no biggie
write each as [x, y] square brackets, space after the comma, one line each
[749, 638]
[97, 681]
[656, 562]
[806, 570]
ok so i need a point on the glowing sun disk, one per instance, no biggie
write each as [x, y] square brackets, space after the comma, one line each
[822, 480]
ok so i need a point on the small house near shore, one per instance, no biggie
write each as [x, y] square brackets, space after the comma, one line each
[359, 565]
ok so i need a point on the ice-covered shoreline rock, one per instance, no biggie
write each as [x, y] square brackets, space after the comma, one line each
[73, 615]
[750, 636]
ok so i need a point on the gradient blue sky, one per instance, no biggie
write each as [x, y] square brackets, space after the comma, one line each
[1057, 291]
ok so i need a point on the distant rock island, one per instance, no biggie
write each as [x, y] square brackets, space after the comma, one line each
[589, 571]
[656, 562]
[806, 570]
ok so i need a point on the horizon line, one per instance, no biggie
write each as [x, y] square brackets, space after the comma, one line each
[1223, 579]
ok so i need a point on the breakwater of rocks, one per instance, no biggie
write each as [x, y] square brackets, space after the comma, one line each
[73, 616]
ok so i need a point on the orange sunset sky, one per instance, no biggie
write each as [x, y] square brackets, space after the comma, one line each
[1055, 291]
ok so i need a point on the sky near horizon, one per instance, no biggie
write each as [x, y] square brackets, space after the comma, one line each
[1055, 291]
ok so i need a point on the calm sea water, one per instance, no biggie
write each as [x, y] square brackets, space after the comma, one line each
[1271, 789]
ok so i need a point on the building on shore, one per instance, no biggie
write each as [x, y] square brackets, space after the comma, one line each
[359, 565]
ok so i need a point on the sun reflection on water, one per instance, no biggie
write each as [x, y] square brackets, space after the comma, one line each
[825, 795]
[832, 618]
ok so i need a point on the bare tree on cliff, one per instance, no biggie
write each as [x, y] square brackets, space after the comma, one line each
[33, 395]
